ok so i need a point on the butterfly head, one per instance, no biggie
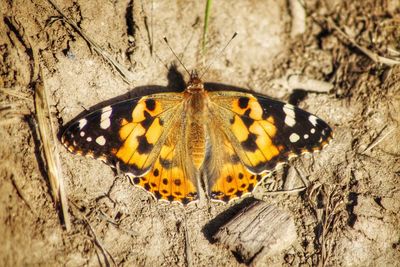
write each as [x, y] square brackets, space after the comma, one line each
[195, 85]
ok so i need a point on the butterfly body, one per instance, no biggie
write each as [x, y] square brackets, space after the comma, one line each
[168, 142]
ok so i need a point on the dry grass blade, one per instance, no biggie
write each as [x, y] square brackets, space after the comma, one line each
[373, 56]
[378, 140]
[206, 21]
[13, 92]
[52, 159]
[11, 113]
[126, 75]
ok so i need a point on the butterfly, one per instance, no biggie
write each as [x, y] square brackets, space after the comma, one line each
[172, 144]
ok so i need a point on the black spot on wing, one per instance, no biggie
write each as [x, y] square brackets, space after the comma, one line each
[250, 143]
[234, 159]
[184, 200]
[225, 198]
[165, 163]
[246, 119]
[144, 146]
[243, 102]
[146, 186]
[150, 104]
[148, 120]
[132, 168]
[157, 194]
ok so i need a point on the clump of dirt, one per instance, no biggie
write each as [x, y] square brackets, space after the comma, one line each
[347, 216]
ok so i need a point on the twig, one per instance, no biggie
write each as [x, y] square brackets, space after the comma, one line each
[378, 140]
[99, 244]
[16, 94]
[12, 113]
[373, 56]
[82, 217]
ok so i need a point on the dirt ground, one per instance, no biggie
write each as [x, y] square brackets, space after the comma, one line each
[347, 216]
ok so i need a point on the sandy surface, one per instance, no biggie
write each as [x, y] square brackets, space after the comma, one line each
[348, 215]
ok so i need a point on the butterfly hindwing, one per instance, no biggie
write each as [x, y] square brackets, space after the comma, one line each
[228, 178]
[172, 177]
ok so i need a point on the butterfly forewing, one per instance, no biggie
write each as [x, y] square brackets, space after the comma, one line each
[129, 133]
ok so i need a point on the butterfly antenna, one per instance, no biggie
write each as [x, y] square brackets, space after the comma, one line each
[219, 54]
[173, 52]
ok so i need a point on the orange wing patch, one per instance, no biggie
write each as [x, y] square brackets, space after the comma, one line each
[233, 180]
[140, 135]
[250, 131]
[166, 180]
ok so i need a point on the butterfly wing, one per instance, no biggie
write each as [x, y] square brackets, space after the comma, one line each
[228, 177]
[261, 133]
[173, 176]
[138, 135]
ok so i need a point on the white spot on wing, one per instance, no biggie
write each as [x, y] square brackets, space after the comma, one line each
[306, 136]
[313, 120]
[82, 133]
[105, 119]
[312, 130]
[89, 139]
[290, 115]
[82, 123]
[294, 137]
[101, 140]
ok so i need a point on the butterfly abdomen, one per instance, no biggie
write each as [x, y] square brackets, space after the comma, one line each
[197, 144]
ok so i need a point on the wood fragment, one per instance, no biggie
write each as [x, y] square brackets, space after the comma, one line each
[48, 140]
[257, 231]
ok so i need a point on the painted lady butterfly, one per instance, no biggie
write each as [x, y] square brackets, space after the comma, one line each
[168, 142]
